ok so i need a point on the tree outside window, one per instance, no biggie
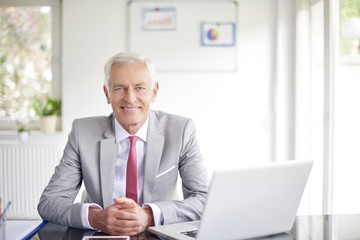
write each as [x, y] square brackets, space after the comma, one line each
[25, 60]
[350, 26]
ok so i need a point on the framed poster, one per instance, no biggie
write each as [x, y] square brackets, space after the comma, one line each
[218, 34]
[159, 19]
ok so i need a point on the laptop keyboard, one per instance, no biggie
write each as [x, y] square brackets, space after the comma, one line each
[191, 233]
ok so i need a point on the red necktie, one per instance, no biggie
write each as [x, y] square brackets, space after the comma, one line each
[131, 171]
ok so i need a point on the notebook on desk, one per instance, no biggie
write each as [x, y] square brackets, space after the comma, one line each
[247, 203]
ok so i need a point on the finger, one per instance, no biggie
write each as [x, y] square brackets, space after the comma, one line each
[125, 201]
[121, 225]
[114, 215]
[125, 213]
[127, 227]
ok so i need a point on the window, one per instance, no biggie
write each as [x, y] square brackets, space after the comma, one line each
[346, 98]
[328, 66]
[29, 57]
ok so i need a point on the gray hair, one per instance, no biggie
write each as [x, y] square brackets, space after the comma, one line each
[125, 58]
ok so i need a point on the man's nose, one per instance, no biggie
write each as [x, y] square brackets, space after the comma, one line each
[130, 95]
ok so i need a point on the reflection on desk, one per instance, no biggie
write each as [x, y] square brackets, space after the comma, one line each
[327, 227]
[53, 231]
[335, 227]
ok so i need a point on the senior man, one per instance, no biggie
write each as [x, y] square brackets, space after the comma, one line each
[129, 161]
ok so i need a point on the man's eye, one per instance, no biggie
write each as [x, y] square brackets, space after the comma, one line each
[119, 89]
[140, 88]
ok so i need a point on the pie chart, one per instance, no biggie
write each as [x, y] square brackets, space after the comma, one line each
[212, 34]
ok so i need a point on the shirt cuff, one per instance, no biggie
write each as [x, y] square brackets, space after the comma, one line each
[85, 214]
[157, 214]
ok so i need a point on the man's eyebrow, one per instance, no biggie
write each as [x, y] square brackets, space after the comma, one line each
[140, 84]
[119, 85]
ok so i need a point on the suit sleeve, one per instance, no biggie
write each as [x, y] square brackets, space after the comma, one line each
[195, 182]
[56, 203]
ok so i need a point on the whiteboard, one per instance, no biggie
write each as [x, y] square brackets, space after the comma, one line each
[184, 35]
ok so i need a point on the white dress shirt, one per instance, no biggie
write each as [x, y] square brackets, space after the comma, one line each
[123, 149]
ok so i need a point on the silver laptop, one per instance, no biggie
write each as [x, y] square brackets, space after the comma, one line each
[246, 203]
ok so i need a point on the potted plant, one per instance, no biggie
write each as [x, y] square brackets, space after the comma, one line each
[48, 111]
[23, 132]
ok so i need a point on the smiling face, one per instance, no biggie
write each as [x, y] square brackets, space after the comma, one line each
[130, 94]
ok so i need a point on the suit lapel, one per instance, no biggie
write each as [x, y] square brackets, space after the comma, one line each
[108, 150]
[154, 146]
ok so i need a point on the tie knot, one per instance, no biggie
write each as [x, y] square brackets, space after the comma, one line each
[133, 140]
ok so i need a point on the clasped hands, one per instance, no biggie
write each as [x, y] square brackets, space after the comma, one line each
[124, 217]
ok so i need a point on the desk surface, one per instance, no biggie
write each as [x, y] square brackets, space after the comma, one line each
[327, 227]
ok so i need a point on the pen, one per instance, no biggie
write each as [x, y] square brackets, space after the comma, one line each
[5, 210]
[0, 207]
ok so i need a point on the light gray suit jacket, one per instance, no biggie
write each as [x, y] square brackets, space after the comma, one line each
[90, 155]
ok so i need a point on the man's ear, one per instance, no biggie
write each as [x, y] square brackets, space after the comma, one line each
[155, 90]
[107, 95]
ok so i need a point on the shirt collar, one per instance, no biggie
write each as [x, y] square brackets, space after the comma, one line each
[121, 133]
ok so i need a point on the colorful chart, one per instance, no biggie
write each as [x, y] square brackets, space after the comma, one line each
[212, 34]
[218, 34]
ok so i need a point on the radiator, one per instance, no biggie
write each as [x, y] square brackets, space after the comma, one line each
[25, 170]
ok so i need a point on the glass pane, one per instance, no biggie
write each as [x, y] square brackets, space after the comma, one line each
[25, 59]
[347, 111]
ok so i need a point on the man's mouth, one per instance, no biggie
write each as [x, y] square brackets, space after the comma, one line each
[129, 108]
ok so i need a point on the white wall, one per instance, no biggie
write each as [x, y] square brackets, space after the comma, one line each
[224, 105]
